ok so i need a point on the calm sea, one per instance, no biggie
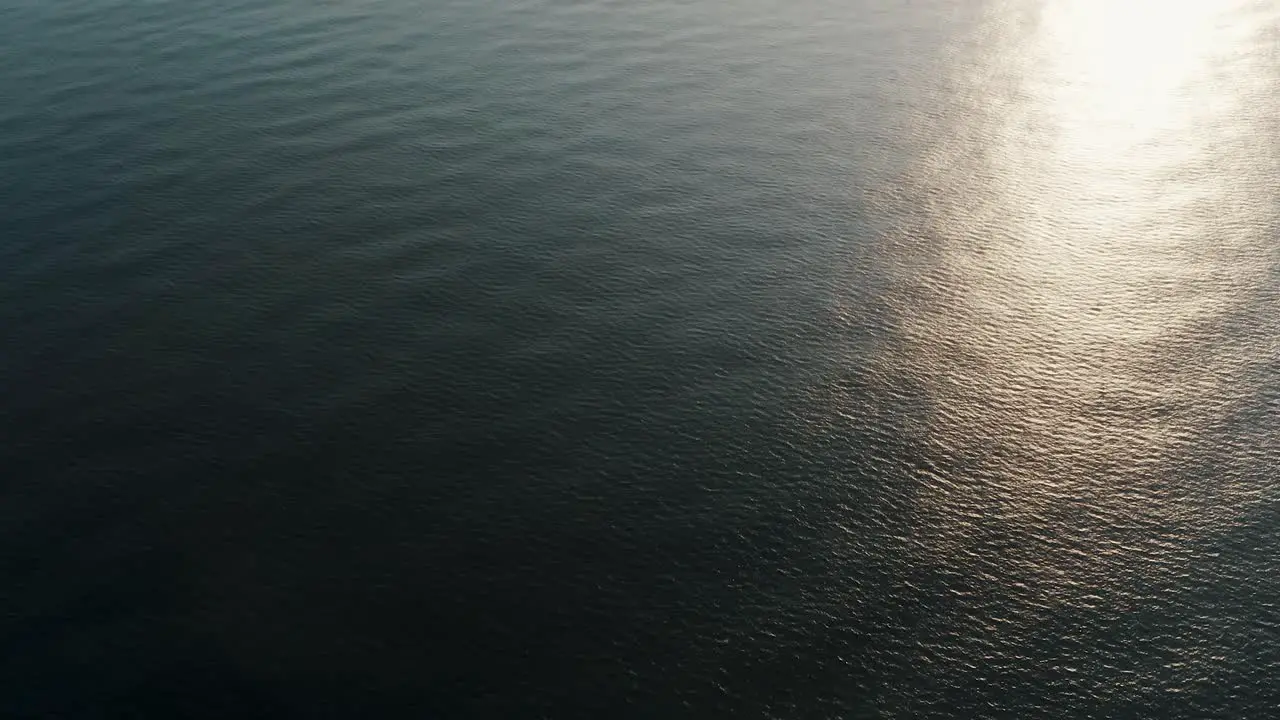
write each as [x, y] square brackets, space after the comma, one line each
[648, 359]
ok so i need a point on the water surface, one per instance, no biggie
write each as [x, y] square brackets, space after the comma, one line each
[528, 358]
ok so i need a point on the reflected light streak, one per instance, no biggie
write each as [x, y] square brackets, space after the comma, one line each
[1082, 289]
[1120, 72]
[1070, 280]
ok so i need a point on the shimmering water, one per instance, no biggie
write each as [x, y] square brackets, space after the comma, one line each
[533, 358]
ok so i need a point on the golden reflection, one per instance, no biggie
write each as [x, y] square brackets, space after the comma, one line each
[1118, 173]
[1119, 73]
[1081, 284]
[1078, 285]
[1079, 239]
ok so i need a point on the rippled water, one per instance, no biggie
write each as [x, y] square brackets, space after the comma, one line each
[532, 358]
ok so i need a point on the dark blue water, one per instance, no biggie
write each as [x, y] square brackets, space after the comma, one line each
[530, 358]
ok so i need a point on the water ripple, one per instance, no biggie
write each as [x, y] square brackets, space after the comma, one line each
[535, 357]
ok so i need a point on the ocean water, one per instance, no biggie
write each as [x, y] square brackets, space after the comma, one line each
[670, 358]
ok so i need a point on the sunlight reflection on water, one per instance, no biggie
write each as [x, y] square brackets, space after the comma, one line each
[1084, 277]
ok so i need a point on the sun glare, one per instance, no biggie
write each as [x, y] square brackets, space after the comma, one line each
[1123, 72]
[1097, 153]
